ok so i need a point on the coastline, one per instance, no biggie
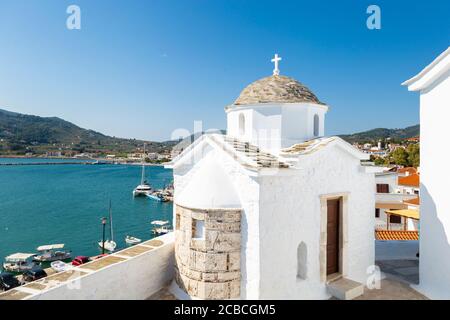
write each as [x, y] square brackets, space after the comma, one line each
[103, 160]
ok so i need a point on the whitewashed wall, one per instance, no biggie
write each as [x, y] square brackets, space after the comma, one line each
[435, 204]
[275, 126]
[136, 278]
[290, 213]
[388, 178]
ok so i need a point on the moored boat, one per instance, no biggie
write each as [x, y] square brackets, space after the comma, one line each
[59, 266]
[144, 187]
[49, 253]
[158, 196]
[161, 227]
[19, 262]
[109, 245]
[132, 240]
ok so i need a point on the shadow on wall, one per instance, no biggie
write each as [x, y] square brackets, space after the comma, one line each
[434, 250]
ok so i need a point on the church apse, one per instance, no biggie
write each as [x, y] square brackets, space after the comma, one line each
[207, 252]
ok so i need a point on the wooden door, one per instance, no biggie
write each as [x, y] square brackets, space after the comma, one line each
[333, 208]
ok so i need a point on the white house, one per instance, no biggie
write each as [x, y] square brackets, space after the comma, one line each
[433, 83]
[390, 196]
[273, 209]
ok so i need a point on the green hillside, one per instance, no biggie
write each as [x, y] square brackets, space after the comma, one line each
[20, 133]
[382, 134]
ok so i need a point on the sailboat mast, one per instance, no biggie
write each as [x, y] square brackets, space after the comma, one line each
[110, 222]
[143, 168]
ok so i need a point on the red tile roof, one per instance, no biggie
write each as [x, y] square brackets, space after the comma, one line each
[412, 180]
[410, 170]
[396, 235]
[415, 201]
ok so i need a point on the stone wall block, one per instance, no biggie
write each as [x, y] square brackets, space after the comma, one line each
[209, 277]
[227, 242]
[228, 276]
[215, 262]
[235, 289]
[234, 261]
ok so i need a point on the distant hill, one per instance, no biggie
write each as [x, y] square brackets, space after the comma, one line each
[21, 132]
[382, 134]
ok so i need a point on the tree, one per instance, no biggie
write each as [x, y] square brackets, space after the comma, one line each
[379, 161]
[413, 155]
[400, 157]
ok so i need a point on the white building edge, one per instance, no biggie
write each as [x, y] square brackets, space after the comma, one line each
[433, 83]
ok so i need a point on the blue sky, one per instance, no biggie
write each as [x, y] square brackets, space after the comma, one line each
[144, 68]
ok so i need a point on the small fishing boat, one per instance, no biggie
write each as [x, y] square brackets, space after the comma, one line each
[19, 262]
[109, 245]
[132, 240]
[59, 266]
[144, 187]
[50, 253]
[161, 227]
[158, 196]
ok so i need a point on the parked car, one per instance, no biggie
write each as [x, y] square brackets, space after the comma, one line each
[78, 261]
[8, 281]
[98, 257]
[35, 273]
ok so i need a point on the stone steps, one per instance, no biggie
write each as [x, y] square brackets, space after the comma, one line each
[345, 289]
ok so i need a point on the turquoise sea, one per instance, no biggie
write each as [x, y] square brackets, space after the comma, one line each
[46, 204]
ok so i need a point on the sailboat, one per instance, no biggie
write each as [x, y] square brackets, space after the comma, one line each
[144, 188]
[109, 245]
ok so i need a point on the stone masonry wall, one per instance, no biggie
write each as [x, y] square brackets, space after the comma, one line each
[208, 267]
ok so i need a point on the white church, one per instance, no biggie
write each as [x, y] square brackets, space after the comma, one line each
[273, 209]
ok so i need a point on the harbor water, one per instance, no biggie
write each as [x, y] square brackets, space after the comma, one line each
[47, 204]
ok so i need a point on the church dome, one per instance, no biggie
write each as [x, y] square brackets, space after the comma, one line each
[278, 89]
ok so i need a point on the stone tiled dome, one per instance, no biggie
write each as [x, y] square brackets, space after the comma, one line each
[276, 88]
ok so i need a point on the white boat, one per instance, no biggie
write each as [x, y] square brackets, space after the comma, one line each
[144, 188]
[156, 196]
[132, 240]
[50, 253]
[19, 262]
[109, 245]
[59, 266]
[161, 227]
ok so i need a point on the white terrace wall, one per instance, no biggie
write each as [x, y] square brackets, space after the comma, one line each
[136, 277]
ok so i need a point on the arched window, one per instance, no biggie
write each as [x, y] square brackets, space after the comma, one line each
[316, 125]
[241, 124]
[302, 253]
